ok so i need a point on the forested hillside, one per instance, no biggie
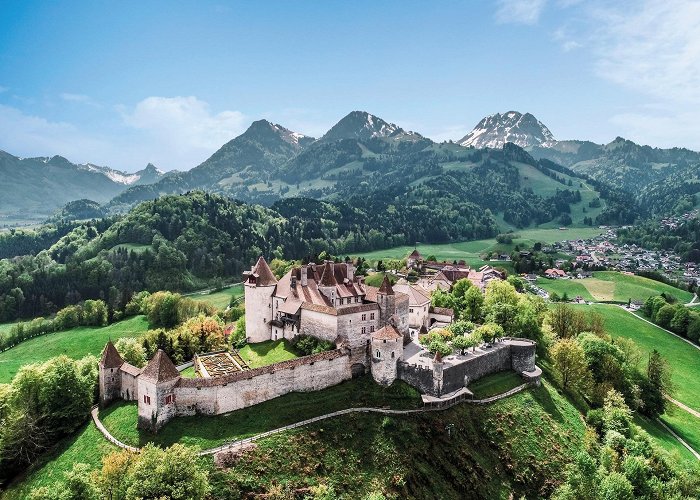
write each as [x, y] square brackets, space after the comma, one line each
[378, 167]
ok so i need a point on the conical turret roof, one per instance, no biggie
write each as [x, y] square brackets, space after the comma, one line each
[328, 275]
[111, 357]
[160, 368]
[264, 273]
[386, 287]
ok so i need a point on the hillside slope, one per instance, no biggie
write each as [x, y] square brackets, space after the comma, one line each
[518, 445]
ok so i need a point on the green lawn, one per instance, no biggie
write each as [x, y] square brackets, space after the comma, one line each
[663, 438]
[268, 352]
[571, 288]
[612, 286]
[686, 425]
[74, 343]
[638, 287]
[498, 383]
[188, 372]
[471, 250]
[683, 358]
[207, 432]
[220, 299]
[87, 446]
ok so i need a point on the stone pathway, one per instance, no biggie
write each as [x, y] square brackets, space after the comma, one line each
[448, 403]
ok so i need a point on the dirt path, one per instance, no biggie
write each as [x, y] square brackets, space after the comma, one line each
[694, 413]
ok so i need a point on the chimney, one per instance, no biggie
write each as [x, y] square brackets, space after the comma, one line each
[351, 271]
[304, 275]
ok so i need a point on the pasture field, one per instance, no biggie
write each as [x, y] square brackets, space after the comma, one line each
[613, 286]
[683, 358]
[74, 343]
[472, 250]
[220, 299]
[571, 288]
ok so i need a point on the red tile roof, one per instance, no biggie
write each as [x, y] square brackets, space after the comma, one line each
[160, 368]
[386, 286]
[263, 273]
[387, 332]
[111, 357]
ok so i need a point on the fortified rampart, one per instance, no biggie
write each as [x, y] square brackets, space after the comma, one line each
[458, 371]
[216, 395]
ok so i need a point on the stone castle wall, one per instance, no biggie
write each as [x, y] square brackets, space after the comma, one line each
[242, 389]
[417, 376]
[509, 354]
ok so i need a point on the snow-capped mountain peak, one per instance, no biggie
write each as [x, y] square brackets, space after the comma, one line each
[494, 131]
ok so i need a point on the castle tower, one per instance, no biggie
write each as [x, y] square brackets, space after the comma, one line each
[387, 302]
[387, 349]
[259, 287]
[328, 282]
[156, 386]
[110, 378]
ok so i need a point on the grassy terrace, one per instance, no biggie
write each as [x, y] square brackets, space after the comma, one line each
[267, 353]
[208, 432]
[74, 343]
[612, 286]
[497, 383]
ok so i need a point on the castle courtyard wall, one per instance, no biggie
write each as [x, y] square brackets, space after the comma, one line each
[242, 389]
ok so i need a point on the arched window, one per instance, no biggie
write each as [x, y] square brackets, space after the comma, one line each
[379, 354]
[392, 354]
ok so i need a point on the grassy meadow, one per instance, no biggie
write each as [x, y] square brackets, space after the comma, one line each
[74, 343]
[471, 251]
[683, 358]
[613, 286]
[221, 298]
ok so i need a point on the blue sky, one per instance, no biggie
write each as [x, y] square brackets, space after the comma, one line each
[127, 83]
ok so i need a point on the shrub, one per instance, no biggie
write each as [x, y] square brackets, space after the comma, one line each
[307, 344]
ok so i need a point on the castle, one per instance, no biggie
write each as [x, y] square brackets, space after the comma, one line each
[369, 327]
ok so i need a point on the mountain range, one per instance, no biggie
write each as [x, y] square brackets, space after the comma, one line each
[363, 153]
[33, 188]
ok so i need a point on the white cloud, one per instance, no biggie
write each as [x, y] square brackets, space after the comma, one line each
[79, 98]
[185, 123]
[28, 135]
[519, 11]
[660, 129]
[652, 47]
